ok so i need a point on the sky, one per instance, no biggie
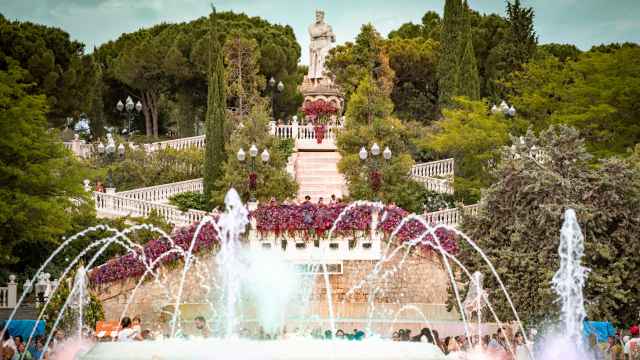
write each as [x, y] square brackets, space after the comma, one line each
[93, 22]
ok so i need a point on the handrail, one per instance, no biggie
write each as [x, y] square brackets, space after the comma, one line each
[163, 192]
[451, 216]
[440, 168]
[116, 205]
[442, 186]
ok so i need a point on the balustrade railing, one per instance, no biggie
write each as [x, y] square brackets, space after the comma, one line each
[450, 216]
[162, 192]
[440, 168]
[178, 144]
[9, 294]
[442, 186]
[79, 147]
[115, 205]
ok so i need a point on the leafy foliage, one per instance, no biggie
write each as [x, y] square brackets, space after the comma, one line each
[190, 200]
[52, 62]
[216, 117]
[472, 136]
[92, 312]
[272, 178]
[597, 94]
[369, 121]
[244, 83]
[41, 188]
[519, 223]
[141, 169]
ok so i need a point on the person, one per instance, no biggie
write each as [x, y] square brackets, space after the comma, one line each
[522, 349]
[22, 353]
[424, 336]
[38, 347]
[126, 332]
[321, 202]
[594, 349]
[327, 334]
[395, 336]
[633, 345]
[339, 334]
[7, 346]
[202, 330]
[613, 351]
[58, 338]
[333, 200]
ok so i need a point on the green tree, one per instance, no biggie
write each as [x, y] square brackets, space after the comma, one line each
[473, 137]
[449, 64]
[595, 94]
[415, 92]
[53, 62]
[272, 180]
[468, 77]
[563, 52]
[369, 121]
[215, 156]
[243, 81]
[41, 181]
[519, 222]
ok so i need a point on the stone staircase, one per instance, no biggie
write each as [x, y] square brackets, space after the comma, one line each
[317, 175]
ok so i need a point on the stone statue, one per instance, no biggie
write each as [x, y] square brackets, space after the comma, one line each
[321, 38]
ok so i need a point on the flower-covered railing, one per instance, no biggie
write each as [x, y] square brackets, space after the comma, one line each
[132, 265]
[307, 221]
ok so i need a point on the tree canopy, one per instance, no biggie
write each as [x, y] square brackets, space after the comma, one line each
[520, 218]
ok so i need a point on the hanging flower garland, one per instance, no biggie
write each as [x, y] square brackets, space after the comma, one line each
[319, 111]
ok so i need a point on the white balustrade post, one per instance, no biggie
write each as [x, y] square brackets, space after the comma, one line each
[12, 292]
[272, 127]
[85, 185]
[294, 128]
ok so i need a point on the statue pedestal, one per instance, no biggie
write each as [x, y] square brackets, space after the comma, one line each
[322, 89]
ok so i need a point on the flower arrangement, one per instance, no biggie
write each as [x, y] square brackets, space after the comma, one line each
[306, 220]
[319, 111]
[130, 265]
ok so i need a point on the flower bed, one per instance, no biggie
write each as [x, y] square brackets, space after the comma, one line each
[130, 265]
[306, 220]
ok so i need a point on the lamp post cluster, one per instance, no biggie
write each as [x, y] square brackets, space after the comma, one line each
[507, 110]
[253, 177]
[129, 108]
[108, 155]
[275, 89]
[373, 165]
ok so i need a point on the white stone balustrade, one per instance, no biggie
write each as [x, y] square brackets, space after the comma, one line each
[114, 205]
[178, 144]
[442, 186]
[9, 294]
[440, 168]
[450, 217]
[79, 147]
[162, 193]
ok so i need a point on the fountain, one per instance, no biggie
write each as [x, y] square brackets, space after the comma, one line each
[250, 286]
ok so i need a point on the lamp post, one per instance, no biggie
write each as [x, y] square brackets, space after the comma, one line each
[108, 155]
[275, 89]
[253, 177]
[129, 107]
[373, 165]
[503, 108]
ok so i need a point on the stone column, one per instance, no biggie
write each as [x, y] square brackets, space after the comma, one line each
[294, 128]
[12, 292]
[272, 127]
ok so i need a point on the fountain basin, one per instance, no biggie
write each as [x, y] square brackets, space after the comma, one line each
[293, 349]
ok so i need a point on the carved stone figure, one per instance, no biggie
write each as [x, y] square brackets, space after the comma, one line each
[321, 38]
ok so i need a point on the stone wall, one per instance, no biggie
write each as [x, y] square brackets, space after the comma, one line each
[407, 293]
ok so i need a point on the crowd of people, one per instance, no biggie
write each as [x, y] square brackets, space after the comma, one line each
[504, 344]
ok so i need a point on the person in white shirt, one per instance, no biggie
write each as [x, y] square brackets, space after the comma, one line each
[632, 347]
[126, 332]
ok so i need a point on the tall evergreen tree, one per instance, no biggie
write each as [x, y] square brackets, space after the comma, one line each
[216, 103]
[448, 67]
[521, 36]
[468, 77]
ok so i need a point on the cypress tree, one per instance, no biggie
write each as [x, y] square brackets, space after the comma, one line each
[469, 79]
[521, 38]
[449, 66]
[214, 152]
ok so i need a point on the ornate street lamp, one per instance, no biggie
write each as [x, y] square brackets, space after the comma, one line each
[503, 108]
[275, 89]
[253, 177]
[373, 165]
[129, 108]
[108, 155]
